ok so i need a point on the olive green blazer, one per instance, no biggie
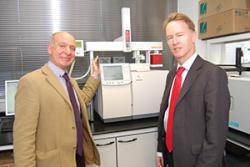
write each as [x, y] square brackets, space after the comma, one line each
[44, 127]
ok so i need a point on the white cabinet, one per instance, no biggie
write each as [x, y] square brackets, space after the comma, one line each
[136, 148]
[107, 150]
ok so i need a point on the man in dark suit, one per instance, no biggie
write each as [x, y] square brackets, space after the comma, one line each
[193, 127]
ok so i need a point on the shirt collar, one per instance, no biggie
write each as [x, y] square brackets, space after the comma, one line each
[57, 70]
[188, 63]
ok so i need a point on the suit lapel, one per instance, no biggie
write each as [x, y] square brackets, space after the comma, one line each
[171, 80]
[169, 83]
[55, 83]
[191, 77]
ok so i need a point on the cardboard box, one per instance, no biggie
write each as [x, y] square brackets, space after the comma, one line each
[229, 22]
[211, 7]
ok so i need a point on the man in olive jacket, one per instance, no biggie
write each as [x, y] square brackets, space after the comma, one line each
[45, 132]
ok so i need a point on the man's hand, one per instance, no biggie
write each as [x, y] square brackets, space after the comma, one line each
[95, 67]
[159, 161]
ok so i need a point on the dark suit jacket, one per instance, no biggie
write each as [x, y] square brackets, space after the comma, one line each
[200, 118]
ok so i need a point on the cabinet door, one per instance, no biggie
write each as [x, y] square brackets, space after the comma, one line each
[107, 150]
[137, 150]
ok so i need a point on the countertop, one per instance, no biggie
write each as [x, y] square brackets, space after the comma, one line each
[97, 126]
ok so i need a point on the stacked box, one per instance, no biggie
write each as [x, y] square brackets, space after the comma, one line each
[212, 7]
[223, 17]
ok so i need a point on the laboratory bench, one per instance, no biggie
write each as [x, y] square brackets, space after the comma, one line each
[107, 131]
[98, 129]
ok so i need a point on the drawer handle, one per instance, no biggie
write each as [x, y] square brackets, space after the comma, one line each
[127, 141]
[105, 144]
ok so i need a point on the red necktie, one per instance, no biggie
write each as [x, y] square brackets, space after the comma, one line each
[175, 94]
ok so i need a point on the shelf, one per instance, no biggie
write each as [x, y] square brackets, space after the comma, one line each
[6, 147]
[229, 39]
[118, 46]
[222, 50]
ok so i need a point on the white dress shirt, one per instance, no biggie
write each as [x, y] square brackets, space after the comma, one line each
[59, 74]
[187, 65]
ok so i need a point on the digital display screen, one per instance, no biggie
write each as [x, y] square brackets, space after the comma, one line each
[113, 72]
[10, 92]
